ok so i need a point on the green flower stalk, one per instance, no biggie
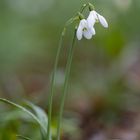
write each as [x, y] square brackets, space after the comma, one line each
[53, 84]
[70, 21]
[65, 87]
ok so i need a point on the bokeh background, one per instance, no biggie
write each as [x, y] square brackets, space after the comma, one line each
[104, 89]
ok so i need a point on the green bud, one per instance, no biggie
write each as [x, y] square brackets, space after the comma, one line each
[91, 7]
[81, 16]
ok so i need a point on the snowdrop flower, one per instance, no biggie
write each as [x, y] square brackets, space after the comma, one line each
[96, 17]
[84, 30]
[92, 18]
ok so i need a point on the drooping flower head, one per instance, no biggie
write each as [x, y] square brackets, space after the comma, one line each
[84, 30]
[96, 17]
[86, 26]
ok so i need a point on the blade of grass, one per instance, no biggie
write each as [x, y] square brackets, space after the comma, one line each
[23, 137]
[41, 115]
[24, 110]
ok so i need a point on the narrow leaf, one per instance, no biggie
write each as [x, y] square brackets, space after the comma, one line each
[41, 115]
[26, 111]
[23, 137]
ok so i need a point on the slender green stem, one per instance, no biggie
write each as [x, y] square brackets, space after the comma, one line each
[64, 92]
[83, 8]
[53, 84]
[54, 73]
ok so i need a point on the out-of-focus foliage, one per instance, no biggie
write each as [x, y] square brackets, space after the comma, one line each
[105, 76]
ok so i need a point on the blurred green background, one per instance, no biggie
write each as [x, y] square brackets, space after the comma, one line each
[104, 91]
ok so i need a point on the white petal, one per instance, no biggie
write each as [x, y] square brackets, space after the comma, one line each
[92, 30]
[87, 34]
[92, 18]
[83, 23]
[95, 14]
[91, 21]
[103, 21]
[79, 33]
